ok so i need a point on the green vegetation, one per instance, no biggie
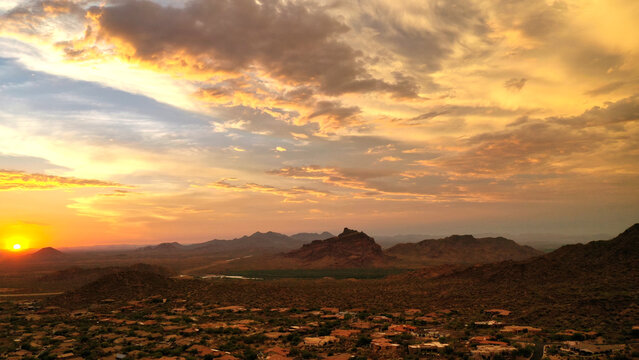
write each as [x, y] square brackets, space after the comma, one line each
[355, 273]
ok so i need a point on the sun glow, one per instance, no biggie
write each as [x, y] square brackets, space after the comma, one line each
[21, 236]
[16, 243]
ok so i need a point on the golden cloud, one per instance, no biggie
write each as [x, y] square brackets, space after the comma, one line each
[19, 180]
[296, 194]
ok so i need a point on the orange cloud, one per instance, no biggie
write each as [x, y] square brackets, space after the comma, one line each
[296, 194]
[19, 180]
[365, 190]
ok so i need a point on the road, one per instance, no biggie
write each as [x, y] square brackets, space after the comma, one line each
[31, 295]
[539, 351]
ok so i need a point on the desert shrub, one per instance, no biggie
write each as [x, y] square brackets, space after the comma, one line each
[363, 341]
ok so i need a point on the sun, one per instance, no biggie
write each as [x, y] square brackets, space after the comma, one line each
[16, 243]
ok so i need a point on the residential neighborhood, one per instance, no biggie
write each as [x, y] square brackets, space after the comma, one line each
[161, 328]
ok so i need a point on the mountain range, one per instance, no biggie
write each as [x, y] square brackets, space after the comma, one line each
[460, 249]
[258, 242]
[271, 250]
[355, 249]
[574, 286]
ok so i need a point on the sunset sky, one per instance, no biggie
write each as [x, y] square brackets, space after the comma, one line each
[143, 121]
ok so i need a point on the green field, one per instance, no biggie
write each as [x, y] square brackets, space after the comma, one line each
[372, 273]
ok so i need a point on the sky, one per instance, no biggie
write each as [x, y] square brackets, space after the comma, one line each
[141, 121]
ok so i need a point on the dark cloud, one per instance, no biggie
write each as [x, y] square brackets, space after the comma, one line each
[590, 59]
[515, 84]
[541, 145]
[295, 42]
[449, 21]
[457, 112]
[611, 114]
[335, 115]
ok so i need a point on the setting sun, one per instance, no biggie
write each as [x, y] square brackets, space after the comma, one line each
[21, 236]
[17, 243]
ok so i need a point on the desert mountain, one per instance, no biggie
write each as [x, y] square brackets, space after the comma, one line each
[122, 285]
[257, 241]
[604, 260]
[82, 273]
[349, 249]
[587, 281]
[47, 254]
[163, 247]
[461, 249]
[575, 286]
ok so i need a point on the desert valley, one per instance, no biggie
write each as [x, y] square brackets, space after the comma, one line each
[272, 296]
[319, 179]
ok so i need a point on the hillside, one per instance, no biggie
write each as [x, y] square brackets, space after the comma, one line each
[616, 261]
[258, 242]
[255, 244]
[577, 285]
[47, 254]
[123, 285]
[460, 249]
[591, 286]
[349, 249]
[163, 247]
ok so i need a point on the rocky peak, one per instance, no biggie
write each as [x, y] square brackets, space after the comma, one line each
[351, 247]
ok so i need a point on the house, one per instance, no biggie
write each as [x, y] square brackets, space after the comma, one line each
[333, 316]
[319, 340]
[427, 319]
[433, 346]
[476, 339]
[490, 351]
[513, 329]
[276, 353]
[385, 347]
[227, 357]
[201, 350]
[380, 318]
[412, 312]
[570, 333]
[362, 325]
[344, 333]
[281, 310]
[402, 328]
[339, 357]
[330, 310]
[490, 323]
[275, 334]
[232, 308]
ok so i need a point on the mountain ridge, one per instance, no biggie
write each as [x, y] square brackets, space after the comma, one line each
[461, 249]
[351, 248]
